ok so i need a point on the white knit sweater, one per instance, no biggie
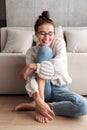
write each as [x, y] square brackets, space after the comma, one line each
[55, 69]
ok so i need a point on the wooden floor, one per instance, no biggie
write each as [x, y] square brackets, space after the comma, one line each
[24, 120]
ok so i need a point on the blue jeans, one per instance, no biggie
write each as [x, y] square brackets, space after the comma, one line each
[64, 102]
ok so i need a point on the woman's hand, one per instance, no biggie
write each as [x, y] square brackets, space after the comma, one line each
[42, 107]
[24, 72]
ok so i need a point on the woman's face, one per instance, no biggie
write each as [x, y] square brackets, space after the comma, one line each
[45, 34]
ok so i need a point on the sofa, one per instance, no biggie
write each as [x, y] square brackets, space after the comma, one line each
[12, 59]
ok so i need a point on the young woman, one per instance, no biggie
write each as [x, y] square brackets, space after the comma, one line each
[47, 76]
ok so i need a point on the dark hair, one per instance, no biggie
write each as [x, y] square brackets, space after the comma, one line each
[43, 19]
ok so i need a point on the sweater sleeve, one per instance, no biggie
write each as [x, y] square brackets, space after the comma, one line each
[29, 56]
[45, 70]
[31, 84]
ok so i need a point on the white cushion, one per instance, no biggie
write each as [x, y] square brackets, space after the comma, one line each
[4, 34]
[18, 41]
[76, 40]
[59, 32]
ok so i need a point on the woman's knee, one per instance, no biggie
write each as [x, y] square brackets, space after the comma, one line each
[83, 107]
[44, 53]
[80, 107]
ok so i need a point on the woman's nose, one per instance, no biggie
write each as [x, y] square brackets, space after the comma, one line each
[46, 36]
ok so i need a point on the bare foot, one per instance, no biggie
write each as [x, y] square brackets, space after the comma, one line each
[44, 109]
[25, 106]
[50, 105]
[40, 118]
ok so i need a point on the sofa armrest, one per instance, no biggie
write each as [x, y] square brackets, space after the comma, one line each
[77, 63]
[10, 67]
[0, 39]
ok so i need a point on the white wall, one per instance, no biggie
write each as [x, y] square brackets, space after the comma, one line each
[63, 12]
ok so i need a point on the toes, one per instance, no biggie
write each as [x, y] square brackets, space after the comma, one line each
[46, 120]
[40, 118]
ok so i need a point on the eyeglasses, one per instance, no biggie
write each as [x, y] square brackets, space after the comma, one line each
[42, 33]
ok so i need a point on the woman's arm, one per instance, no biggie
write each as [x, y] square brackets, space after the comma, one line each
[24, 73]
[49, 69]
[38, 97]
[57, 66]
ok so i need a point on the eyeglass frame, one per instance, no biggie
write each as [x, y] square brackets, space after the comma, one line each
[43, 33]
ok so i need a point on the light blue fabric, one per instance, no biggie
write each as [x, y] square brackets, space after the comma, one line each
[44, 54]
[64, 102]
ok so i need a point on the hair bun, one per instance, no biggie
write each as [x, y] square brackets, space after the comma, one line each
[44, 18]
[46, 14]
